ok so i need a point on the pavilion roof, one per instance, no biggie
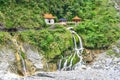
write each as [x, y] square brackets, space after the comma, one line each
[62, 19]
[49, 16]
[76, 18]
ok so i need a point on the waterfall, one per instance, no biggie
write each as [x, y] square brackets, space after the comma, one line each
[47, 66]
[19, 49]
[22, 59]
[65, 65]
[23, 65]
[59, 67]
[71, 62]
[78, 49]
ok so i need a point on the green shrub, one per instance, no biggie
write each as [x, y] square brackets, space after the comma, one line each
[52, 42]
[4, 36]
[98, 34]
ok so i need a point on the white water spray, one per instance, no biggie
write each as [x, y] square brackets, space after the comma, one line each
[78, 49]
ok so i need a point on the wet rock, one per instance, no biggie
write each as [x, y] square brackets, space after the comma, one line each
[80, 67]
[6, 57]
[8, 67]
[115, 49]
[4, 65]
[6, 54]
[34, 56]
[104, 68]
[8, 76]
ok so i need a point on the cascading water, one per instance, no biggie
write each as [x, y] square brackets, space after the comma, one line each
[59, 67]
[22, 65]
[19, 48]
[78, 49]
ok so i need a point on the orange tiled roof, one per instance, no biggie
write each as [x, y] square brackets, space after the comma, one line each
[76, 18]
[48, 16]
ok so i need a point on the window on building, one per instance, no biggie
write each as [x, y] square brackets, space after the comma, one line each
[48, 21]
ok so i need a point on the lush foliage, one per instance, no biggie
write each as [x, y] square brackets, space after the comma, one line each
[20, 13]
[29, 13]
[100, 29]
[98, 26]
[50, 42]
[3, 37]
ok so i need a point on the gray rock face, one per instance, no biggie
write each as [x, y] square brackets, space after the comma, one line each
[106, 62]
[104, 68]
[7, 54]
[7, 58]
[34, 56]
[116, 49]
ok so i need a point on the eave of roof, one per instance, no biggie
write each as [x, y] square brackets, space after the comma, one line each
[76, 18]
[49, 16]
